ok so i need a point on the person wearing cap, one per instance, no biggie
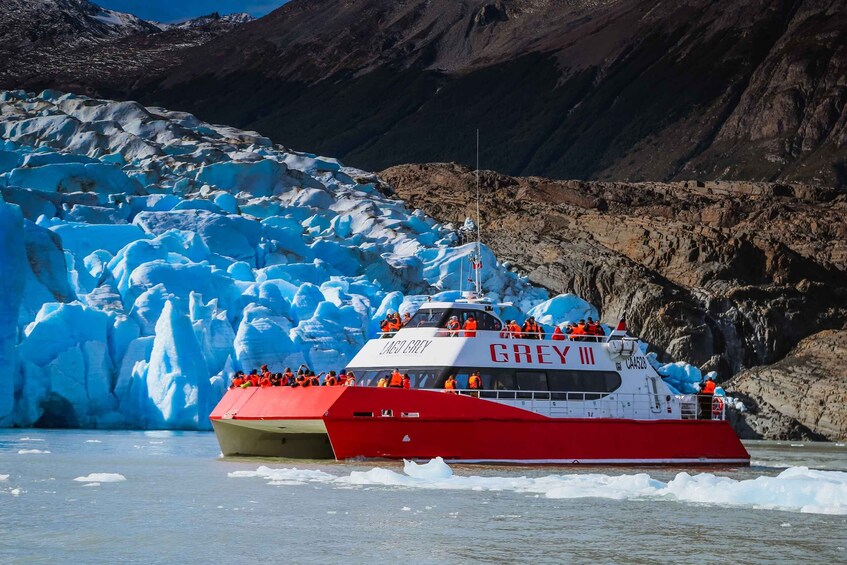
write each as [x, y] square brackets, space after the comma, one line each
[579, 331]
[406, 319]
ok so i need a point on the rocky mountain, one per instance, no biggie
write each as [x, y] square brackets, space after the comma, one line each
[585, 89]
[77, 45]
[803, 396]
[215, 18]
[726, 275]
[601, 89]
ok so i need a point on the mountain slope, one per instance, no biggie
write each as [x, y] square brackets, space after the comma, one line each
[624, 89]
[76, 45]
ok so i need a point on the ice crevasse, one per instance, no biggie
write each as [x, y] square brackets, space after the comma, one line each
[146, 255]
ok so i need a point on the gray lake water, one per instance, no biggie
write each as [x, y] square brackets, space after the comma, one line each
[179, 502]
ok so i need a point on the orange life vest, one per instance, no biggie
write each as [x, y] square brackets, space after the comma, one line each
[382, 383]
[329, 380]
[286, 379]
[407, 383]
[708, 388]
[396, 380]
[351, 381]
[474, 382]
[558, 335]
[236, 382]
[450, 384]
[470, 328]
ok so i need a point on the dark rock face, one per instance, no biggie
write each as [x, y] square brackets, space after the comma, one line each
[803, 396]
[600, 89]
[75, 45]
[608, 90]
[723, 275]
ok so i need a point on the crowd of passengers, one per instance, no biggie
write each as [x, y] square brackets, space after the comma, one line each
[304, 377]
[583, 330]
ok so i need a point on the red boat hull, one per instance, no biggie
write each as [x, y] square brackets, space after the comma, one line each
[364, 422]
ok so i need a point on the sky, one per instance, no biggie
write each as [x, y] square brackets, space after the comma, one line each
[169, 11]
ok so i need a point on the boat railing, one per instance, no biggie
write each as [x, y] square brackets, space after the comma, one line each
[607, 405]
[506, 334]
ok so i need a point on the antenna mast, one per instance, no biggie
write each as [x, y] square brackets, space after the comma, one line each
[478, 264]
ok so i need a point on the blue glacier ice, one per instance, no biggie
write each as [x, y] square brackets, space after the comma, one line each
[146, 255]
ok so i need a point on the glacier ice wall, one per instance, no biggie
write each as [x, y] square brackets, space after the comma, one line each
[146, 255]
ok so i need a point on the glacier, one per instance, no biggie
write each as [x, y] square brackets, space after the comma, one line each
[146, 255]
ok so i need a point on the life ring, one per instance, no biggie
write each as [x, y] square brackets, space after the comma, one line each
[717, 406]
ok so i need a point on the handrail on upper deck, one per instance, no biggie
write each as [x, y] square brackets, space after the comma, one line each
[506, 334]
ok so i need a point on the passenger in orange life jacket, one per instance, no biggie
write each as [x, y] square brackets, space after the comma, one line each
[515, 329]
[287, 377]
[383, 382]
[396, 380]
[394, 323]
[469, 327]
[707, 392]
[314, 380]
[350, 380]
[453, 326]
[475, 381]
[407, 381]
[531, 330]
[265, 381]
[579, 330]
[330, 379]
[505, 333]
[450, 384]
[342, 377]
[237, 379]
[254, 378]
[558, 334]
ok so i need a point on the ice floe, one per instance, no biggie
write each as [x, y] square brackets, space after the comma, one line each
[101, 478]
[797, 489]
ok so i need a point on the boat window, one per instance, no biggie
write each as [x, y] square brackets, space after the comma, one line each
[580, 382]
[428, 318]
[421, 377]
[438, 318]
[530, 381]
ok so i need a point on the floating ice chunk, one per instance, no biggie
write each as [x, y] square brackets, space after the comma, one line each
[4, 477]
[32, 451]
[432, 470]
[101, 478]
[93, 441]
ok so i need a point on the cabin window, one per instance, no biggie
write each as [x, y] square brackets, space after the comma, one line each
[530, 381]
[428, 318]
[578, 383]
[438, 318]
[421, 377]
